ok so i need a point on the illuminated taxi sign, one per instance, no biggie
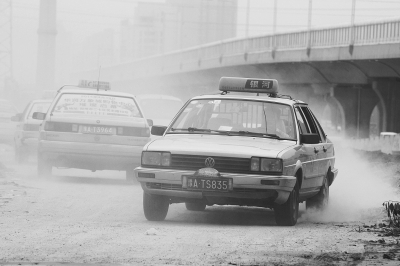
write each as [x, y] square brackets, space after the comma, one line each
[101, 85]
[249, 85]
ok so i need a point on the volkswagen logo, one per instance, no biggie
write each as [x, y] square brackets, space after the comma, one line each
[209, 162]
[98, 121]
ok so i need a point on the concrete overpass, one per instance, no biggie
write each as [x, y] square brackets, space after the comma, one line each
[353, 69]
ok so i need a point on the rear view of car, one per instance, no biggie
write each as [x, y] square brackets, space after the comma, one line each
[27, 130]
[92, 128]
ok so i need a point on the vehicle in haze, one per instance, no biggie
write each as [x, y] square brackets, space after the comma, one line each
[246, 146]
[160, 108]
[7, 127]
[91, 127]
[26, 134]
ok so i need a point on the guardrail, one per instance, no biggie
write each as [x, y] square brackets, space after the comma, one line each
[213, 54]
[385, 144]
[369, 33]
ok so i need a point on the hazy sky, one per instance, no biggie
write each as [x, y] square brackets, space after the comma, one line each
[85, 17]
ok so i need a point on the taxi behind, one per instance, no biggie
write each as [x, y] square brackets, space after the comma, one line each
[246, 146]
[27, 129]
[91, 127]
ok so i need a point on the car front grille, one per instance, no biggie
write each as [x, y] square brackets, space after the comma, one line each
[222, 164]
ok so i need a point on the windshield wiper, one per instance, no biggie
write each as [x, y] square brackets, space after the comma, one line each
[195, 129]
[268, 135]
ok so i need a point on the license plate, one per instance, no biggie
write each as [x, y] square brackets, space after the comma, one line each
[98, 130]
[208, 184]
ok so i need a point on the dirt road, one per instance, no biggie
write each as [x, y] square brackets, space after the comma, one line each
[84, 217]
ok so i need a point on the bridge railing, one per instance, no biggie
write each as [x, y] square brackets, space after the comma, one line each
[377, 32]
[369, 33]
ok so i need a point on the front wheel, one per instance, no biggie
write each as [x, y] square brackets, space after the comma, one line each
[155, 207]
[286, 214]
[320, 201]
[195, 206]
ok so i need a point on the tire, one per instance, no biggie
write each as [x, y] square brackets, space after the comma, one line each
[195, 206]
[155, 207]
[320, 201]
[286, 214]
[43, 168]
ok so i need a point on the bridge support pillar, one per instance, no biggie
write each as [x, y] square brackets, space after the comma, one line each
[388, 92]
[357, 103]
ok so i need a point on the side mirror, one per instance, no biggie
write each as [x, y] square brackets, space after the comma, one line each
[39, 116]
[150, 122]
[17, 117]
[158, 130]
[309, 139]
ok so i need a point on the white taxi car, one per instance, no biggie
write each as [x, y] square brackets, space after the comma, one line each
[27, 129]
[252, 148]
[90, 127]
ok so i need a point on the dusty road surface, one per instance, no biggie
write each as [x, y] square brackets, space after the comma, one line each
[84, 217]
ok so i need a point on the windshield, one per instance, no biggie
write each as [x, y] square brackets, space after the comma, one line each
[94, 104]
[254, 118]
[41, 107]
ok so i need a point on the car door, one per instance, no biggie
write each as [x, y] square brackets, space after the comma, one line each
[326, 153]
[307, 156]
[318, 148]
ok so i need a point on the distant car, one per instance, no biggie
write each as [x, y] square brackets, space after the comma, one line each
[252, 148]
[160, 108]
[27, 130]
[91, 127]
[7, 127]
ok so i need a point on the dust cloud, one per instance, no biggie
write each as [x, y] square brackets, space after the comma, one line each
[358, 191]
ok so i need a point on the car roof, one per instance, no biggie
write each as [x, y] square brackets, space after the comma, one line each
[252, 97]
[79, 90]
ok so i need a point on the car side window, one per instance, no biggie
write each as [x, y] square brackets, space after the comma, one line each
[310, 121]
[319, 128]
[301, 121]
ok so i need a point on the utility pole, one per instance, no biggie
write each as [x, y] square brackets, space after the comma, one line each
[247, 18]
[309, 27]
[45, 71]
[275, 17]
[6, 69]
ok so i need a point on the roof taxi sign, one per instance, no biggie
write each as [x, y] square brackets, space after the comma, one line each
[100, 85]
[248, 85]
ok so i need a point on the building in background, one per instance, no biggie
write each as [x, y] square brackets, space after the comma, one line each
[175, 25]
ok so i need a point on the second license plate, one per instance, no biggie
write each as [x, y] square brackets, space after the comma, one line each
[209, 184]
[98, 130]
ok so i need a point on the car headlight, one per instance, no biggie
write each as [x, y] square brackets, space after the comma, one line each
[156, 158]
[266, 164]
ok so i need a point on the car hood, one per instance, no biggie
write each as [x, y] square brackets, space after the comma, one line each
[219, 145]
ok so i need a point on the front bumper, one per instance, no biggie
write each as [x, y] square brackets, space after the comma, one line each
[92, 156]
[168, 182]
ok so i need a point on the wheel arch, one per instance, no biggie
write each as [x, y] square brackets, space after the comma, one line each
[298, 173]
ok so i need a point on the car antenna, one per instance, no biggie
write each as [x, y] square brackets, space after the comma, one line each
[98, 79]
